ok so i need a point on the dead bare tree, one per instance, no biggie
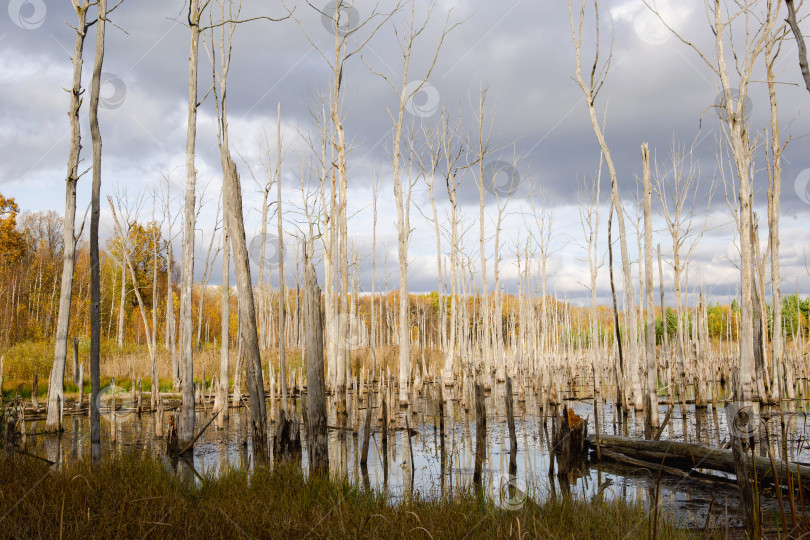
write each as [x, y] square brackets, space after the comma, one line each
[757, 25]
[590, 90]
[677, 190]
[221, 399]
[282, 323]
[651, 405]
[317, 448]
[95, 278]
[782, 370]
[589, 218]
[406, 90]
[186, 429]
[170, 338]
[348, 41]
[56, 380]
[232, 197]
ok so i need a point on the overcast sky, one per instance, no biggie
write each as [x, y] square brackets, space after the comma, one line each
[658, 90]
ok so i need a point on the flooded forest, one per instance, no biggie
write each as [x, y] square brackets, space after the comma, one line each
[293, 330]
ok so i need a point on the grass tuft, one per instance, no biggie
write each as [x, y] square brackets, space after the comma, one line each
[139, 496]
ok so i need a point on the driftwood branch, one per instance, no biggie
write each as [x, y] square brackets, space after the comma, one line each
[197, 436]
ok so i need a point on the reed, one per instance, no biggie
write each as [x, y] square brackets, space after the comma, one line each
[138, 496]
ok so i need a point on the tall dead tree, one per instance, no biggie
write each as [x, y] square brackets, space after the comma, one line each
[676, 187]
[406, 91]
[95, 278]
[56, 380]
[651, 405]
[232, 197]
[589, 218]
[186, 430]
[347, 28]
[782, 369]
[221, 399]
[282, 324]
[170, 333]
[756, 21]
[590, 90]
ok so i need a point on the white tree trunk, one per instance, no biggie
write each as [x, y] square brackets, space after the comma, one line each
[56, 380]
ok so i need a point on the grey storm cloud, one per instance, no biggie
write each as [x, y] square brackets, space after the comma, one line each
[521, 52]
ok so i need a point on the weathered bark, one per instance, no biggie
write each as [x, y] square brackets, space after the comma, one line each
[480, 433]
[651, 405]
[221, 400]
[802, 47]
[282, 324]
[56, 380]
[121, 312]
[510, 420]
[780, 377]
[95, 278]
[76, 356]
[170, 343]
[317, 448]
[247, 310]
[186, 431]
[701, 457]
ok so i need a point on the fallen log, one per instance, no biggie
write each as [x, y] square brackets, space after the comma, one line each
[671, 471]
[697, 456]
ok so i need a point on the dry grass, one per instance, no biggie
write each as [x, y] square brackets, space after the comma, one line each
[136, 497]
[23, 360]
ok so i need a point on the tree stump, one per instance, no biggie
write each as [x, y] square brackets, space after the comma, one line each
[287, 439]
[480, 433]
[568, 434]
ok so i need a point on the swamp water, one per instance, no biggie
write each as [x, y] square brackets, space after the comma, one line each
[414, 467]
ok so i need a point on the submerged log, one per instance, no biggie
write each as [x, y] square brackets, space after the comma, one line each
[696, 456]
[655, 467]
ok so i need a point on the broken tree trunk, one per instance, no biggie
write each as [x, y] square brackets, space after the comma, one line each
[287, 439]
[569, 433]
[480, 433]
[510, 420]
[317, 449]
